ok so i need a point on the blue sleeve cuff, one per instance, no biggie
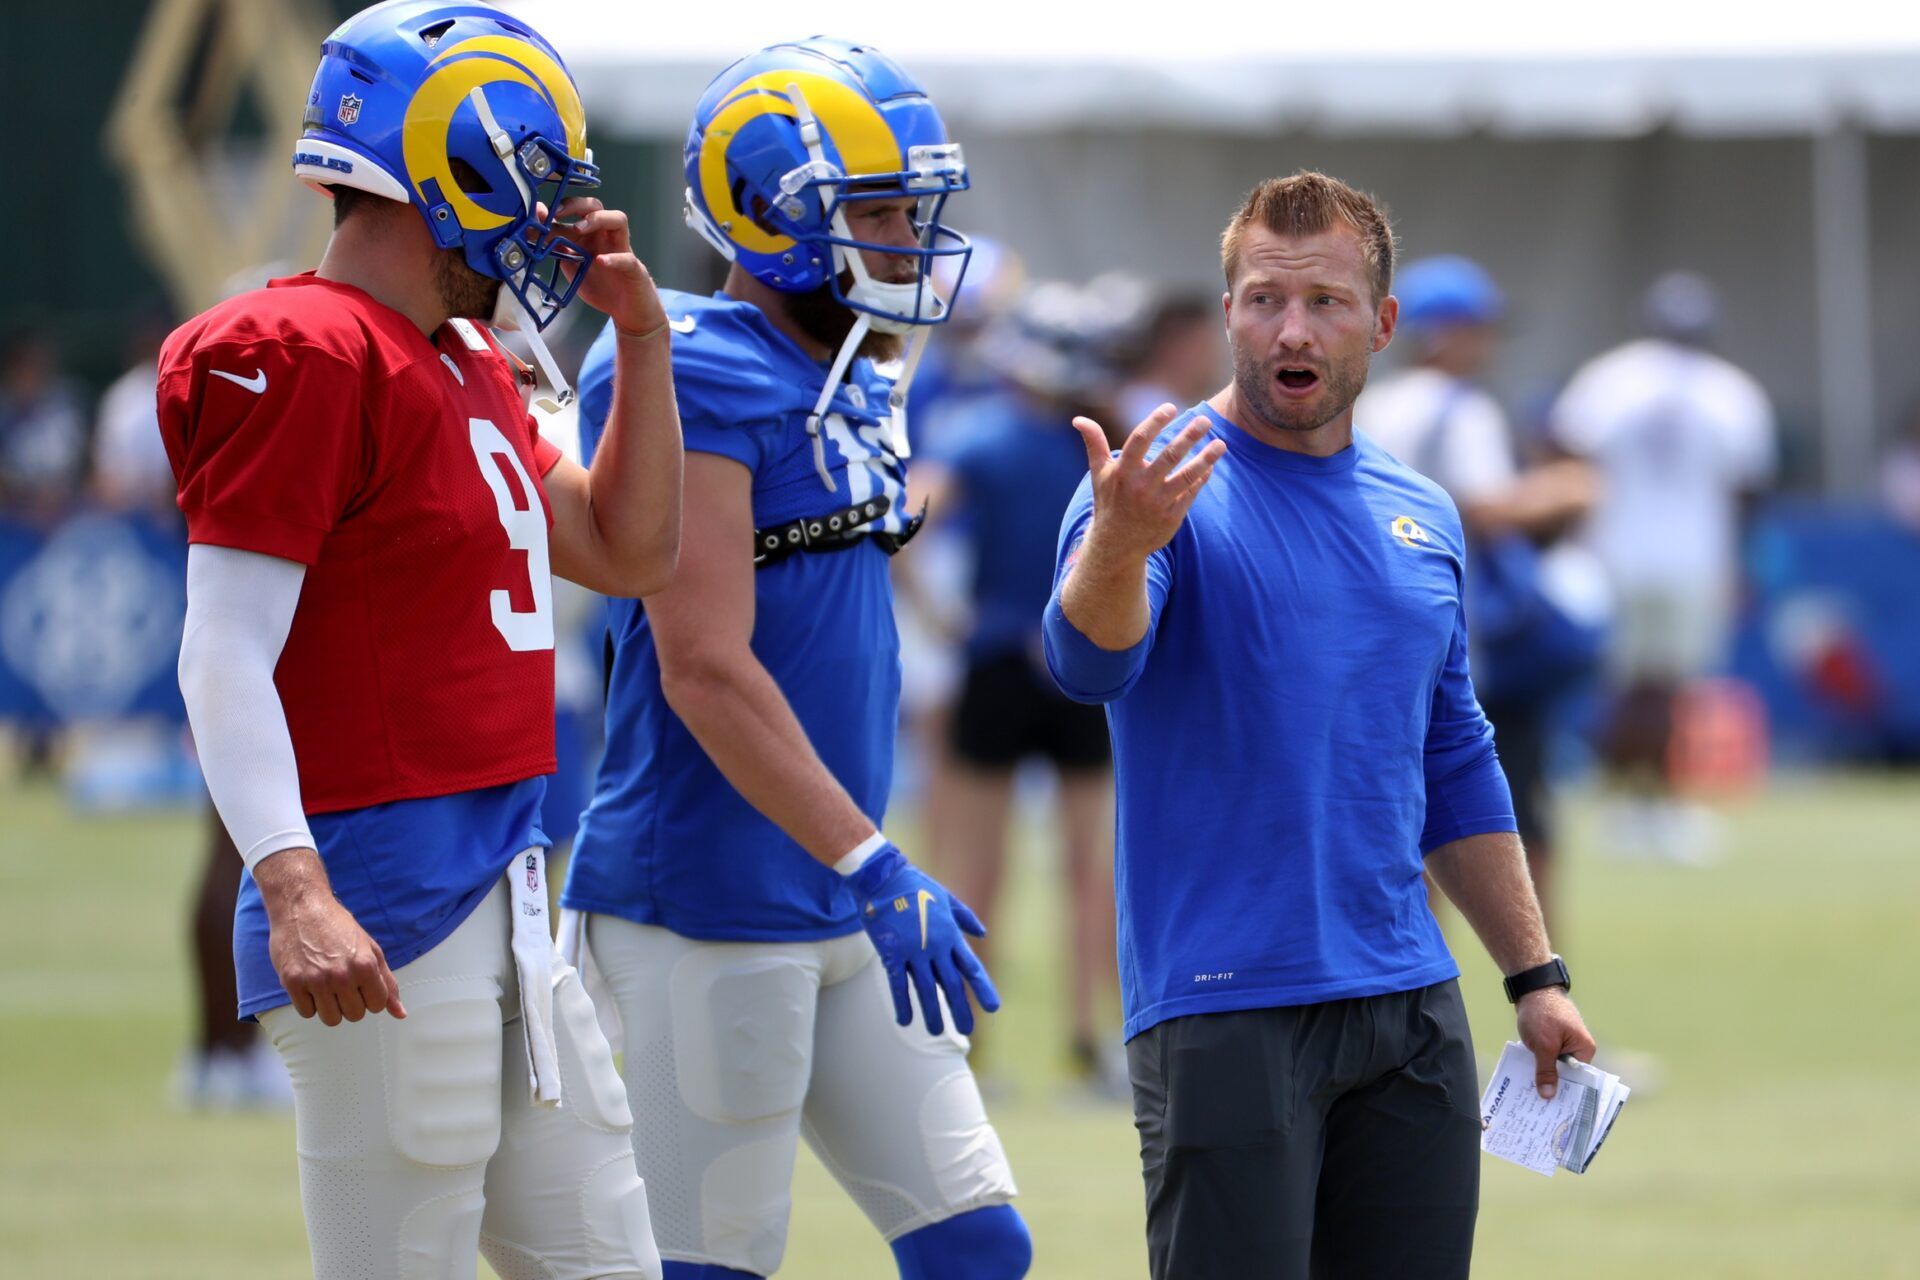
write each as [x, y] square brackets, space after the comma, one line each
[1084, 671]
[728, 442]
[1470, 802]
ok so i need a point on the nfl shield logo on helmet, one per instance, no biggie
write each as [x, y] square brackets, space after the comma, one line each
[350, 104]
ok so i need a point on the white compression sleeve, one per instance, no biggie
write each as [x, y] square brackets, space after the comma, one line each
[239, 609]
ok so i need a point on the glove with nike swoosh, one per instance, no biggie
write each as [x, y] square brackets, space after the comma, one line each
[918, 928]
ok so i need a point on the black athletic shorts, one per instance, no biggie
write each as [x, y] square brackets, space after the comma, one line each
[1520, 736]
[1009, 710]
[1335, 1141]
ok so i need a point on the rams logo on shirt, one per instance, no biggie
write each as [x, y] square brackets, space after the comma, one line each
[1409, 532]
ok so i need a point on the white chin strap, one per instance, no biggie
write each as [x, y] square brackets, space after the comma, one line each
[508, 311]
[841, 361]
[509, 314]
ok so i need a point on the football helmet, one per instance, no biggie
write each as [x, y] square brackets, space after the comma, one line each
[466, 113]
[781, 142]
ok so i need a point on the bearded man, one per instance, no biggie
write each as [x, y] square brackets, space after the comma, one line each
[1275, 627]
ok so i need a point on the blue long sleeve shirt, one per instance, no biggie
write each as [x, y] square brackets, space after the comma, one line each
[1294, 733]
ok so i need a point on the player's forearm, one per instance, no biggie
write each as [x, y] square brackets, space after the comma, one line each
[1485, 877]
[743, 722]
[240, 608]
[1105, 594]
[291, 881]
[635, 480]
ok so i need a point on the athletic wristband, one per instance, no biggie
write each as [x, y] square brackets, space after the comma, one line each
[857, 856]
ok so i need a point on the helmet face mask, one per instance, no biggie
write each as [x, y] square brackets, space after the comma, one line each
[413, 95]
[896, 306]
[785, 141]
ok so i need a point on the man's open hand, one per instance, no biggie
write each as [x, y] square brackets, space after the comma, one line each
[1138, 504]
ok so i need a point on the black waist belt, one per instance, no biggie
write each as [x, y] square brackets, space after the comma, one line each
[835, 531]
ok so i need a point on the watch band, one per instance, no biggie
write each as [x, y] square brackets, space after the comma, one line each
[1551, 974]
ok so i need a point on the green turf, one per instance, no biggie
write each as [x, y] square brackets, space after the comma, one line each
[1775, 990]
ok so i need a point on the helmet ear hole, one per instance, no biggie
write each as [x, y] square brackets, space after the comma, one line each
[758, 213]
[470, 179]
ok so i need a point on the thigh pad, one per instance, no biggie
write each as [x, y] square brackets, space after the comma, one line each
[742, 1033]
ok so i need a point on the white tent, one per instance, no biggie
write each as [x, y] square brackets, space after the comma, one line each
[1394, 65]
[1147, 126]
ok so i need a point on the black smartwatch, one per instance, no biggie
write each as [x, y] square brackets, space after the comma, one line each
[1551, 974]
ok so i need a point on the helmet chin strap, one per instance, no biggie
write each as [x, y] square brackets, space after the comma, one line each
[897, 398]
[508, 311]
[841, 361]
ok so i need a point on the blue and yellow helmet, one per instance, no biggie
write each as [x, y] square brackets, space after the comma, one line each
[470, 116]
[785, 137]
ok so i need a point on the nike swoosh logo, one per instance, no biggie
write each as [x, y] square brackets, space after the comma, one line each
[256, 384]
[926, 896]
[683, 326]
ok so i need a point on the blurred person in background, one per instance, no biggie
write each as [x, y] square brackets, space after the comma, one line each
[130, 468]
[1437, 418]
[43, 430]
[43, 452]
[1006, 484]
[958, 369]
[955, 375]
[1178, 356]
[1683, 440]
[228, 1066]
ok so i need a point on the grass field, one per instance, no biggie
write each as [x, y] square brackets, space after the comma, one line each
[1775, 989]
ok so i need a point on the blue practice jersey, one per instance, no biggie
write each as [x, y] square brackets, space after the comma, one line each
[410, 872]
[1018, 468]
[1295, 731]
[667, 840]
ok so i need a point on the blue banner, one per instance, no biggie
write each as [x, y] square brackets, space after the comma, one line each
[1832, 637]
[90, 615]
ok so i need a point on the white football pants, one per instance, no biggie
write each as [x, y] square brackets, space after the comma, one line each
[420, 1143]
[733, 1050]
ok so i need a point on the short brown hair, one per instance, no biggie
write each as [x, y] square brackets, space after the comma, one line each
[1307, 204]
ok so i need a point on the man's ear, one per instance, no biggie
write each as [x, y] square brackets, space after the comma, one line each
[1387, 321]
[1226, 306]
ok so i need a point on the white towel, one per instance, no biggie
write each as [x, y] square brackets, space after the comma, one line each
[575, 951]
[533, 959]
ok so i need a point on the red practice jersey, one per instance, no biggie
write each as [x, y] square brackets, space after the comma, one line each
[308, 421]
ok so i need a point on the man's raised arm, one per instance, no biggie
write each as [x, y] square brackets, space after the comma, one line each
[1097, 624]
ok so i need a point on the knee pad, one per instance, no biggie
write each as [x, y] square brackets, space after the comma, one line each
[981, 1244]
[618, 1222]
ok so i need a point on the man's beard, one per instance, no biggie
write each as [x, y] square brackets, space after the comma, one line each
[463, 291]
[1340, 386]
[828, 321]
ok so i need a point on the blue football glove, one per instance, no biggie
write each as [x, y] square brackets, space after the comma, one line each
[918, 927]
